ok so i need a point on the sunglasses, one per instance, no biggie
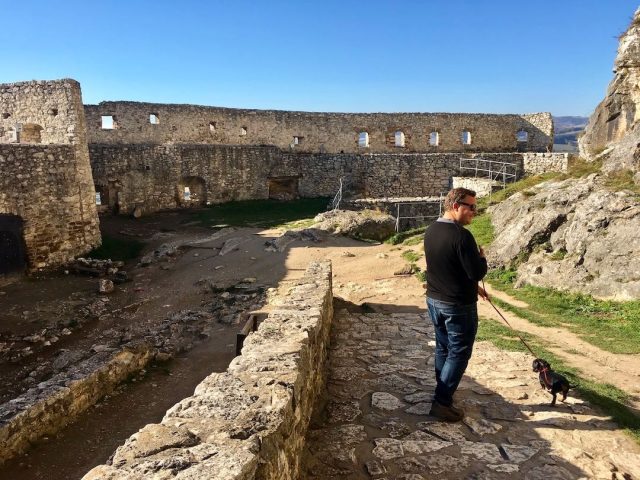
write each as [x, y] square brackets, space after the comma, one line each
[473, 207]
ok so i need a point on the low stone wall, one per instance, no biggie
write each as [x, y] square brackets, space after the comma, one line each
[250, 421]
[48, 407]
[536, 163]
[482, 186]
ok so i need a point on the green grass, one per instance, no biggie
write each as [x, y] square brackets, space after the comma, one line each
[607, 324]
[610, 399]
[577, 168]
[262, 213]
[513, 188]
[622, 180]
[411, 256]
[482, 229]
[117, 249]
[407, 235]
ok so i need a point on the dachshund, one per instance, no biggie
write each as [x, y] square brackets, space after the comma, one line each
[550, 380]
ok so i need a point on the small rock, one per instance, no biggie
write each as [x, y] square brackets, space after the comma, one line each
[105, 286]
[374, 468]
[347, 254]
[385, 401]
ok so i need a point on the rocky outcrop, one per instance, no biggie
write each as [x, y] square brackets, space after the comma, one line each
[250, 421]
[613, 132]
[369, 224]
[580, 234]
[572, 235]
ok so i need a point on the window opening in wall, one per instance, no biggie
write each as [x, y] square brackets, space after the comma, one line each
[522, 136]
[29, 133]
[154, 119]
[466, 137]
[243, 131]
[53, 112]
[399, 139]
[98, 198]
[297, 140]
[186, 194]
[434, 139]
[363, 139]
[212, 127]
[108, 122]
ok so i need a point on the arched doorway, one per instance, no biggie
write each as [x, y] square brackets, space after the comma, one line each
[12, 249]
[192, 191]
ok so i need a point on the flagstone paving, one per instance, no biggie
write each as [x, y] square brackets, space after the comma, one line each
[374, 422]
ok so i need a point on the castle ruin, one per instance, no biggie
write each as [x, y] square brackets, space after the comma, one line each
[58, 170]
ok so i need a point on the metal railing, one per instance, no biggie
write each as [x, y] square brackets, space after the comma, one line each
[399, 217]
[496, 171]
[335, 203]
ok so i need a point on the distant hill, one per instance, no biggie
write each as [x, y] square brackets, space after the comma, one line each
[567, 129]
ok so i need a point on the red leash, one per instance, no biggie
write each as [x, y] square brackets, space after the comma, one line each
[505, 321]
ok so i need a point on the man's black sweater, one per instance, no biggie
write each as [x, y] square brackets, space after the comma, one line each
[454, 264]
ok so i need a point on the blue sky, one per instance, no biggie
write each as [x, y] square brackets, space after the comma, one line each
[325, 55]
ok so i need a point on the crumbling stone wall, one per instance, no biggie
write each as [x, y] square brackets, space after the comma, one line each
[250, 421]
[45, 174]
[50, 188]
[152, 177]
[134, 122]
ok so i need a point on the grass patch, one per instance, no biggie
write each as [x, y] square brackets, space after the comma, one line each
[607, 324]
[117, 249]
[608, 398]
[621, 180]
[400, 237]
[482, 229]
[578, 167]
[262, 213]
[558, 254]
[411, 256]
[515, 187]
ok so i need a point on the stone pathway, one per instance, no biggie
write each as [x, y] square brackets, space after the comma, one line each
[374, 420]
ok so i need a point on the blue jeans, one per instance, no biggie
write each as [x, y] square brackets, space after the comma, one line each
[456, 327]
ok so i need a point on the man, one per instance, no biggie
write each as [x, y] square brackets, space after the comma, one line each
[455, 265]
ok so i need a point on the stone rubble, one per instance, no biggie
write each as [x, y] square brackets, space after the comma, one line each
[250, 421]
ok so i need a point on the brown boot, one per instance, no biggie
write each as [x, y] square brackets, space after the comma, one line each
[446, 414]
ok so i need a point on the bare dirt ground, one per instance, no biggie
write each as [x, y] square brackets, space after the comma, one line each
[363, 275]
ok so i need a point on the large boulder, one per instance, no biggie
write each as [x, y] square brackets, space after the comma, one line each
[369, 224]
[571, 235]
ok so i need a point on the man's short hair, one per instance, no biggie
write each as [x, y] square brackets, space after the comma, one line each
[456, 195]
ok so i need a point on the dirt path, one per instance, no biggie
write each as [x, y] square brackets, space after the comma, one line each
[620, 370]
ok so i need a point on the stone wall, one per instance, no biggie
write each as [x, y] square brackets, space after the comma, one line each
[153, 177]
[51, 405]
[48, 185]
[134, 122]
[250, 421]
[50, 188]
[537, 163]
[46, 112]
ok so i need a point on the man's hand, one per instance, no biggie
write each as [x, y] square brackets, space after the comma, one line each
[483, 293]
